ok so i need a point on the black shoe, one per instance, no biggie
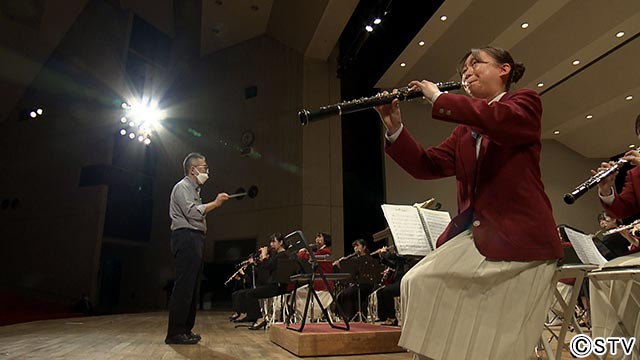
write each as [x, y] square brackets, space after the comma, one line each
[390, 322]
[258, 326]
[233, 317]
[244, 319]
[181, 339]
[193, 335]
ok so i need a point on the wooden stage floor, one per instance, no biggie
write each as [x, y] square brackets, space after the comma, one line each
[141, 336]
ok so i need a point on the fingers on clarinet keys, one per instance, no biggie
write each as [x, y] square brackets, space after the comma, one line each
[241, 193]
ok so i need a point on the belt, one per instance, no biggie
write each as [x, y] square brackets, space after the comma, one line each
[190, 230]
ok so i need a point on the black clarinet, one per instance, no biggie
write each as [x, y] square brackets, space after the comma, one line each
[348, 107]
[581, 189]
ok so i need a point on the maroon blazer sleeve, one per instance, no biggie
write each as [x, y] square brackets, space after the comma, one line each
[625, 204]
[514, 120]
[433, 163]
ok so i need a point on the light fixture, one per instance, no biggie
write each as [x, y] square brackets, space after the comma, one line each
[403, 64]
[39, 111]
[524, 25]
[33, 114]
[540, 84]
[620, 34]
[132, 124]
[377, 21]
[123, 120]
[123, 132]
[443, 17]
[132, 136]
[369, 28]
[421, 43]
[631, 146]
[556, 132]
[576, 62]
[147, 141]
[629, 97]
[140, 138]
[589, 116]
[124, 105]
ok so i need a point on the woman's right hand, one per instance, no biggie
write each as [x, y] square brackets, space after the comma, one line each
[605, 185]
[390, 114]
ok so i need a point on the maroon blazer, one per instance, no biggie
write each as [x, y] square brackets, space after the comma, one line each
[626, 203]
[500, 194]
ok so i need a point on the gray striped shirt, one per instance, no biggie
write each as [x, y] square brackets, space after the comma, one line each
[185, 208]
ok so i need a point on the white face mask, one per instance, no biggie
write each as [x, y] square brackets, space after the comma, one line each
[202, 177]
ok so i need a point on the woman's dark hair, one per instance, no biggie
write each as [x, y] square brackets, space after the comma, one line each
[276, 236]
[326, 237]
[604, 216]
[501, 56]
[360, 242]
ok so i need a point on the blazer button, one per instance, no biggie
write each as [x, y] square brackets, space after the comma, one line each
[448, 112]
[441, 111]
[476, 223]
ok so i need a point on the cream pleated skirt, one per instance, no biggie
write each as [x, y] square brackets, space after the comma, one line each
[603, 320]
[459, 305]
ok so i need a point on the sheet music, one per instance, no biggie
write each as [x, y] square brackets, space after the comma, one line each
[408, 233]
[437, 222]
[585, 248]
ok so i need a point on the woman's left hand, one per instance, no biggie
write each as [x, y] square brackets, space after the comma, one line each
[632, 156]
[427, 87]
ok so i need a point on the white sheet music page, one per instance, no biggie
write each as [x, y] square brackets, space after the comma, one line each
[437, 222]
[408, 234]
[585, 248]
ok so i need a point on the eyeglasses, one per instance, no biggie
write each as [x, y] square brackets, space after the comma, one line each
[206, 168]
[473, 64]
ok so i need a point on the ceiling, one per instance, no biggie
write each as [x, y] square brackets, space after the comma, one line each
[559, 32]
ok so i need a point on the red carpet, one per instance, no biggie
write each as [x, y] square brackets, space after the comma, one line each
[354, 327]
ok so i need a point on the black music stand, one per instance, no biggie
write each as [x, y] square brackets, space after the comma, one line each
[310, 279]
[365, 271]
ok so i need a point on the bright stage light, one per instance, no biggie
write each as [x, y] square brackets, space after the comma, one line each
[147, 141]
[33, 114]
[147, 116]
[123, 120]
[39, 111]
[123, 132]
[132, 136]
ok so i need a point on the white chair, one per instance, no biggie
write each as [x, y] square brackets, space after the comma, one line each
[627, 278]
[579, 272]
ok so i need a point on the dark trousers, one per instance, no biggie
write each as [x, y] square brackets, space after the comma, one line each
[237, 298]
[386, 306]
[187, 247]
[347, 300]
[248, 299]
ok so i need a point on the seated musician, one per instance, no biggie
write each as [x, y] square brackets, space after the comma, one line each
[248, 304]
[244, 282]
[323, 244]
[618, 243]
[619, 205]
[321, 248]
[399, 265]
[347, 299]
